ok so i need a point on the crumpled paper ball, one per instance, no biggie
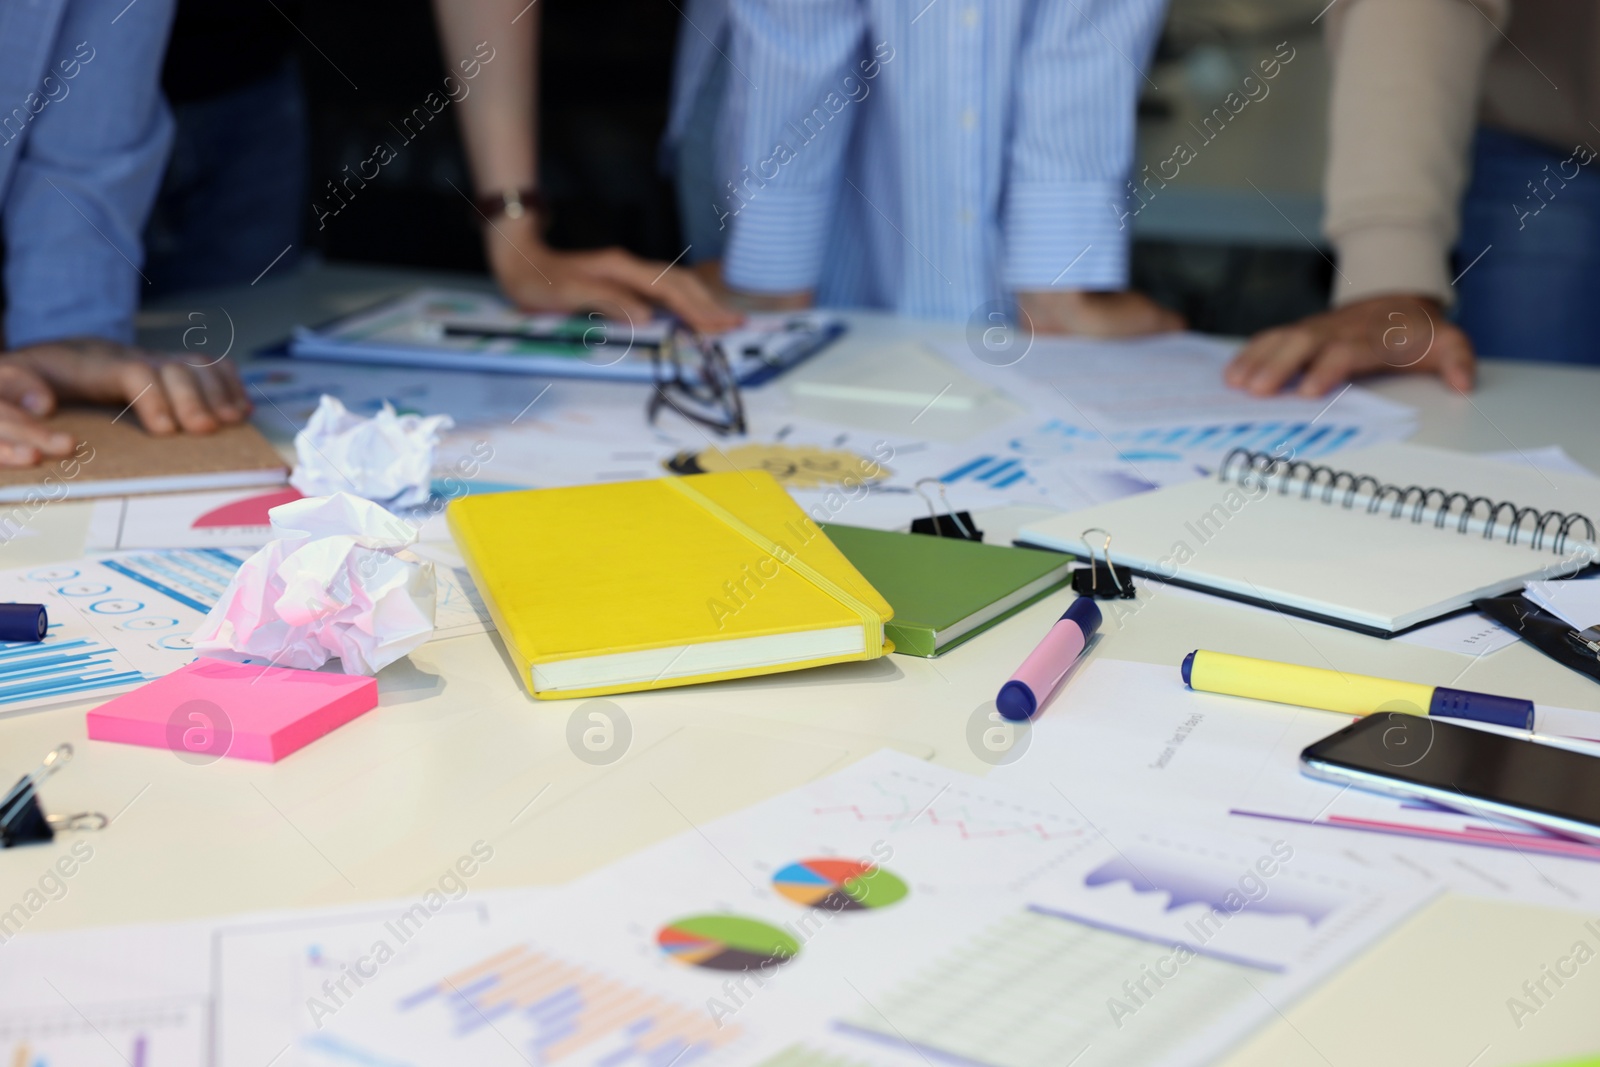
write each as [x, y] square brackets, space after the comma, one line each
[387, 458]
[336, 580]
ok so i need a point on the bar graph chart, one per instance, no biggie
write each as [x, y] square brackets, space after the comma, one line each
[60, 667]
[555, 1011]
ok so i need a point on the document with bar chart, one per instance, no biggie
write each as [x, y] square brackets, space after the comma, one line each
[124, 1034]
[869, 919]
[115, 622]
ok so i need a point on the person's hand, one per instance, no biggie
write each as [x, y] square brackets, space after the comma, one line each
[611, 281]
[1379, 335]
[1086, 314]
[710, 274]
[165, 393]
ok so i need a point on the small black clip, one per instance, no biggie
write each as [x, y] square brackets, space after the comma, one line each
[956, 524]
[1101, 580]
[1585, 641]
[23, 821]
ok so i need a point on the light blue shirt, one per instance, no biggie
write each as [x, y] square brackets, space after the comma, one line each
[925, 157]
[84, 137]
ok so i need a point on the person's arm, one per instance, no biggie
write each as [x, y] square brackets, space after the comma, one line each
[1402, 108]
[794, 64]
[499, 39]
[1075, 90]
[88, 167]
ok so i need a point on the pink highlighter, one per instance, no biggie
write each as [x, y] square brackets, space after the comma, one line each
[1042, 671]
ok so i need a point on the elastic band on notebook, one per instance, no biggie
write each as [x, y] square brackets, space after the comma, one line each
[871, 624]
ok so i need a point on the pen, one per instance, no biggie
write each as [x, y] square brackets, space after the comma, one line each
[1021, 697]
[576, 334]
[1351, 694]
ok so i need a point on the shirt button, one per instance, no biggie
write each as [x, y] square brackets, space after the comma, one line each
[970, 17]
[969, 118]
[966, 217]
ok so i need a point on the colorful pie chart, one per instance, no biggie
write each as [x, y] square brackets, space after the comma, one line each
[839, 885]
[726, 943]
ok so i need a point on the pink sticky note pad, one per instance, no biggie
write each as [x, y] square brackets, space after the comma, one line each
[213, 707]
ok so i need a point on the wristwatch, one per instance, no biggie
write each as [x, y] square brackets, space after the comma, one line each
[512, 203]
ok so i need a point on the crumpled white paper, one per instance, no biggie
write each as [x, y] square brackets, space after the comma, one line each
[336, 580]
[387, 458]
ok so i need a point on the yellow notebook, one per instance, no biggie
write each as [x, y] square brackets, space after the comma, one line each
[642, 585]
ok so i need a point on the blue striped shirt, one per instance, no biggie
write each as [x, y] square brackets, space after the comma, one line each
[929, 157]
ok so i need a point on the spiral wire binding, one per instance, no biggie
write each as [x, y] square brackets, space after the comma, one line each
[1241, 464]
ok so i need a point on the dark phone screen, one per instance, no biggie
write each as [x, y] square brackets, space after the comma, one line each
[1464, 761]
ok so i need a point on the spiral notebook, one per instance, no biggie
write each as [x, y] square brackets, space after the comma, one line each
[1396, 536]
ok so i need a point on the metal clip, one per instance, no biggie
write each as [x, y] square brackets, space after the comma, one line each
[1586, 640]
[23, 822]
[1105, 550]
[933, 515]
[52, 762]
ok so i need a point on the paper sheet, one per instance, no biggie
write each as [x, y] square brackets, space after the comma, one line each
[234, 519]
[969, 886]
[1163, 398]
[1576, 603]
[1128, 739]
[115, 622]
[1552, 458]
[236, 991]
[1468, 635]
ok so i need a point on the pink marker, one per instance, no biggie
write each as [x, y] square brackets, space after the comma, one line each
[1022, 696]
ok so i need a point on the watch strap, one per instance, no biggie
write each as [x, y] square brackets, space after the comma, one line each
[512, 203]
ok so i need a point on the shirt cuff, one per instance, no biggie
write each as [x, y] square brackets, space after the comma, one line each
[778, 240]
[1065, 235]
[56, 303]
[1380, 260]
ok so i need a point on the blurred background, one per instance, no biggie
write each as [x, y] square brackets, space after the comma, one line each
[1233, 253]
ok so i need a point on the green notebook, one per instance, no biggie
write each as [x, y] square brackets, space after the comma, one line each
[945, 590]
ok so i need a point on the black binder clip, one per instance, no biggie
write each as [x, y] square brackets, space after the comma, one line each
[957, 524]
[1586, 641]
[23, 821]
[1101, 581]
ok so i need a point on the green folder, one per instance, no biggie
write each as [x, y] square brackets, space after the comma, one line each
[944, 590]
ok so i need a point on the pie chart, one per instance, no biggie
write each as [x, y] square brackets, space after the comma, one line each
[246, 511]
[839, 885]
[726, 943]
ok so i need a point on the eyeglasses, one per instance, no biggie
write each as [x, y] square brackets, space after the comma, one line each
[692, 377]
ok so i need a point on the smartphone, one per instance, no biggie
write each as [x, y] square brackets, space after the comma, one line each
[1465, 769]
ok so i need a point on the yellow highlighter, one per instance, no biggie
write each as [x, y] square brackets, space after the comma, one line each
[1351, 694]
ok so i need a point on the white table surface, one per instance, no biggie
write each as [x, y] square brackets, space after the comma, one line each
[457, 752]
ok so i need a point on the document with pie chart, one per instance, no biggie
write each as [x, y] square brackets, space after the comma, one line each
[232, 519]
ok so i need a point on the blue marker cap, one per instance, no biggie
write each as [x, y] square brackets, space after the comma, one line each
[1016, 702]
[1482, 707]
[23, 622]
[1188, 667]
[1086, 613]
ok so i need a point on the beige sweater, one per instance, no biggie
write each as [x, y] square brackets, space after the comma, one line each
[1411, 81]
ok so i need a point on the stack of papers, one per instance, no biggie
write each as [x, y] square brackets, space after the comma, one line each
[894, 913]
